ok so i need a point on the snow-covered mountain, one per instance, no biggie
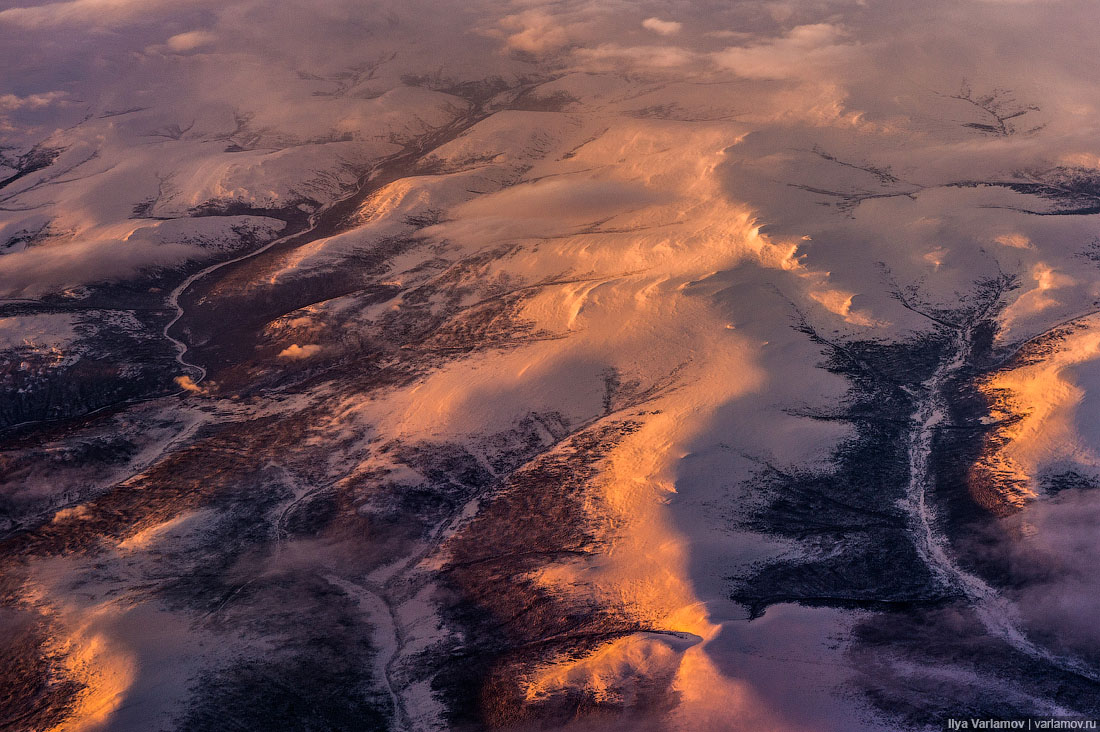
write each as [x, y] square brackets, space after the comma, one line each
[548, 365]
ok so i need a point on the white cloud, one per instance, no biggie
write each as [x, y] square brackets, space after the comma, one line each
[188, 384]
[637, 57]
[296, 353]
[95, 12]
[1015, 240]
[662, 27]
[11, 102]
[190, 40]
[44, 269]
[803, 52]
[534, 31]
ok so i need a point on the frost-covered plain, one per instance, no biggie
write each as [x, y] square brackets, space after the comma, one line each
[548, 365]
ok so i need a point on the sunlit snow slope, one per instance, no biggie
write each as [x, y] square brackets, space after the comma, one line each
[548, 365]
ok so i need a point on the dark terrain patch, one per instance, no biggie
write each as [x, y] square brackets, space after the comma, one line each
[855, 541]
[510, 625]
[318, 679]
[34, 694]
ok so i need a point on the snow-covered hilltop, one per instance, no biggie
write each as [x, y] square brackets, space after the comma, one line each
[432, 365]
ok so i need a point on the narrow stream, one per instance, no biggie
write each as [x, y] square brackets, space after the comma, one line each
[996, 613]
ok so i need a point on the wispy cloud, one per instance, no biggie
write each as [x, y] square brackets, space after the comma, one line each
[662, 27]
[805, 51]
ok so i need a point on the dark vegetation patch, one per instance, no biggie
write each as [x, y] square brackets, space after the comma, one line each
[34, 693]
[847, 519]
[90, 457]
[37, 158]
[1068, 480]
[188, 478]
[926, 665]
[924, 655]
[318, 679]
[509, 624]
[111, 360]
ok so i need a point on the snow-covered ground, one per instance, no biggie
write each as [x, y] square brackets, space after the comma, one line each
[437, 365]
